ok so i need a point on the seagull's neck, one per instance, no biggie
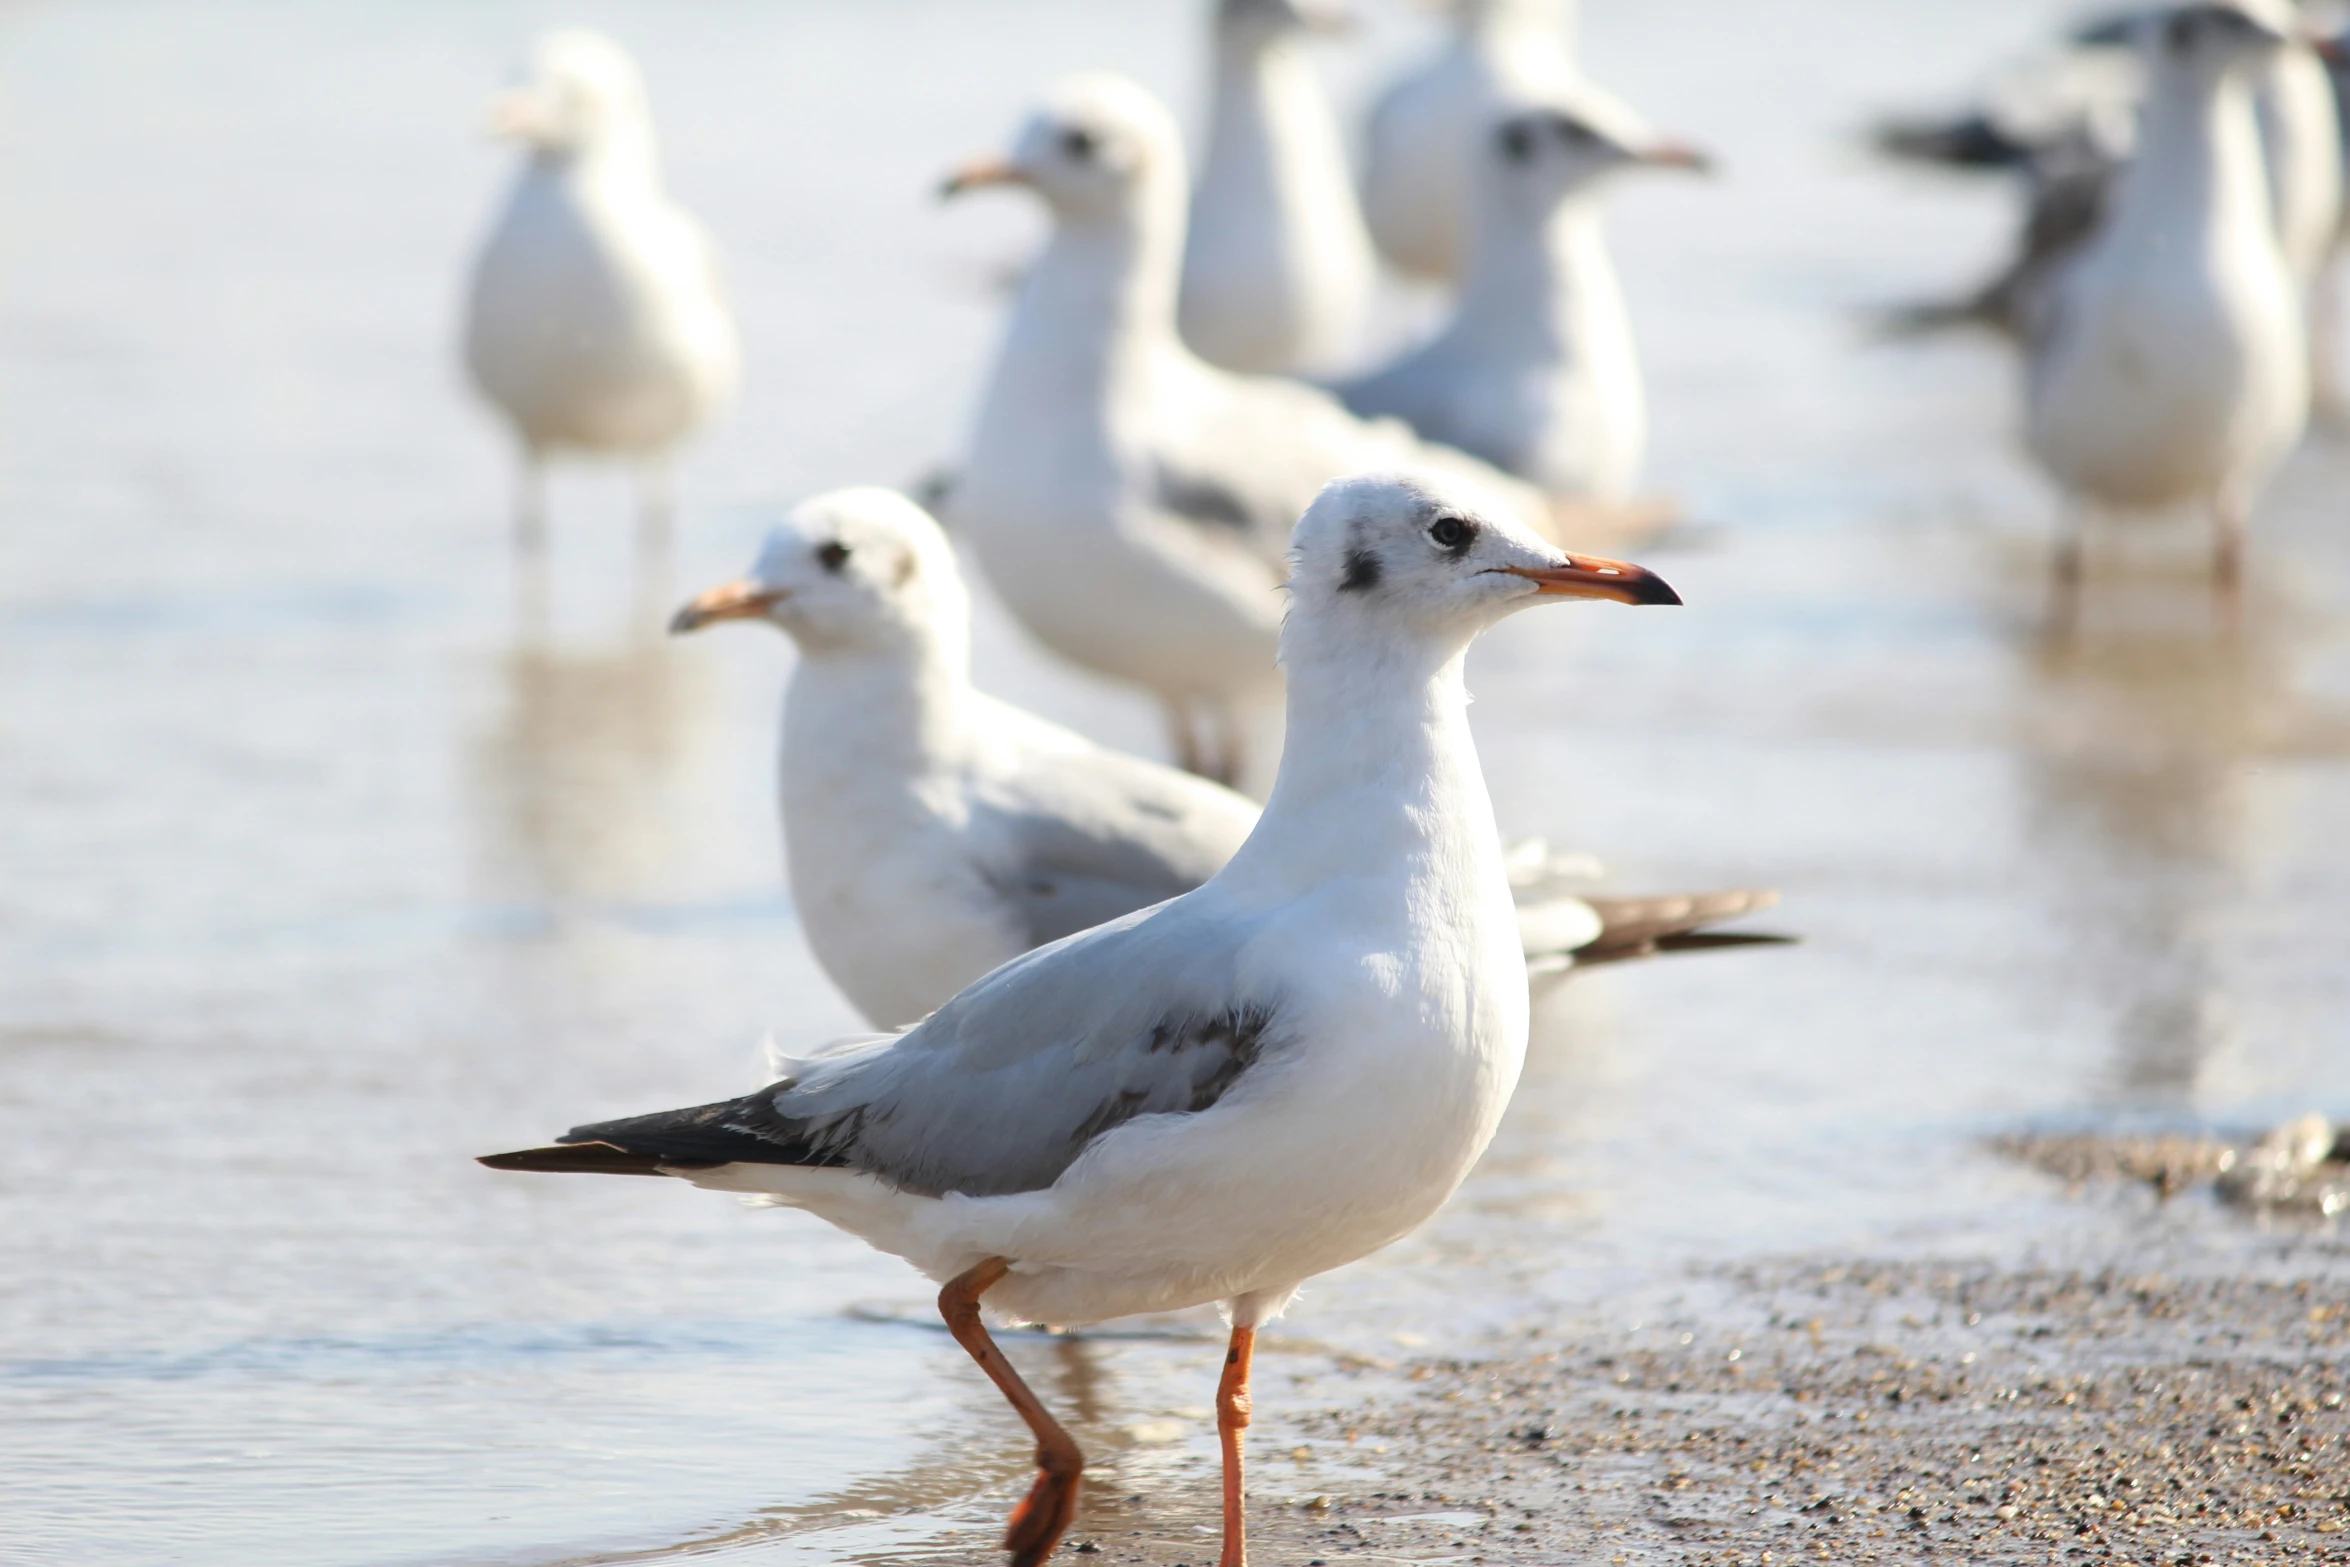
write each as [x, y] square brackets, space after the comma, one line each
[2198, 171]
[1499, 19]
[1099, 305]
[1265, 86]
[872, 712]
[620, 163]
[1377, 767]
[1531, 281]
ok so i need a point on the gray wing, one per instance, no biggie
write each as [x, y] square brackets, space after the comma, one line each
[1246, 455]
[1082, 836]
[1002, 1088]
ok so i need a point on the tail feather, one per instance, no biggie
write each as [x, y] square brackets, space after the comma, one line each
[1641, 927]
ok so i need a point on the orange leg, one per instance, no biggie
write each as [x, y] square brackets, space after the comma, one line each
[1039, 1521]
[1232, 1414]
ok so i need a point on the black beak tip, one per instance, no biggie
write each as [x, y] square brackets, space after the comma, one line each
[683, 621]
[1656, 590]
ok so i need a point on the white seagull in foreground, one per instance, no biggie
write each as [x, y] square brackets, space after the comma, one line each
[2169, 364]
[597, 321]
[1537, 371]
[1130, 502]
[1279, 269]
[1427, 125]
[935, 833]
[1221, 1096]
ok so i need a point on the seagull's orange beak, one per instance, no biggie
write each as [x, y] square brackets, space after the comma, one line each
[1595, 577]
[744, 600]
[1677, 155]
[521, 114]
[980, 172]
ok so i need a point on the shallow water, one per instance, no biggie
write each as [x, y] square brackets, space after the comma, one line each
[322, 873]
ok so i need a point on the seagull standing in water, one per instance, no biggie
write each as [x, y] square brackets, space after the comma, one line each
[1219, 1097]
[1427, 127]
[597, 322]
[1278, 271]
[1130, 502]
[935, 833]
[2169, 364]
[1537, 371]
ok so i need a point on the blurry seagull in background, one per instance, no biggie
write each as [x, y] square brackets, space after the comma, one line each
[1130, 502]
[935, 833]
[1224, 1095]
[2067, 122]
[1537, 371]
[1278, 271]
[1427, 127]
[2168, 362]
[597, 321]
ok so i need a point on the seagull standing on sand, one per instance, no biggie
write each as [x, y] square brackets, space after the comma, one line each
[1279, 269]
[1219, 1097]
[1426, 128]
[1130, 502]
[597, 322]
[1537, 371]
[2169, 364]
[935, 833]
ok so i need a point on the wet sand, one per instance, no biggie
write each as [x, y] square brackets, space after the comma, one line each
[1854, 1412]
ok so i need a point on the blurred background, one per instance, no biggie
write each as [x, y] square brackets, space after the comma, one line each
[321, 870]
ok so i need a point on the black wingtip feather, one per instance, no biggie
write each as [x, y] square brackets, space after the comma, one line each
[575, 1159]
[749, 1130]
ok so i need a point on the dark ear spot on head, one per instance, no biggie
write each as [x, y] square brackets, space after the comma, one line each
[1517, 142]
[832, 554]
[905, 573]
[2178, 34]
[1362, 571]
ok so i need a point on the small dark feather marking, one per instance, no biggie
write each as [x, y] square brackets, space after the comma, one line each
[1117, 1112]
[1230, 1044]
[1362, 572]
[1204, 501]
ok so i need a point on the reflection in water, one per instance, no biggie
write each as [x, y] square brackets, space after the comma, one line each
[2144, 737]
[968, 1471]
[575, 784]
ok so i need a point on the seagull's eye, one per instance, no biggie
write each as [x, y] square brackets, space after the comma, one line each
[1453, 534]
[1517, 142]
[1079, 145]
[833, 554]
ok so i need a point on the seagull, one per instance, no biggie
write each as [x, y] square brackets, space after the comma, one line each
[935, 833]
[1279, 269]
[1426, 127]
[2070, 124]
[597, 322]
[1537, 371]
[2169, 364]
[1221, 1096]
[1129, 501]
